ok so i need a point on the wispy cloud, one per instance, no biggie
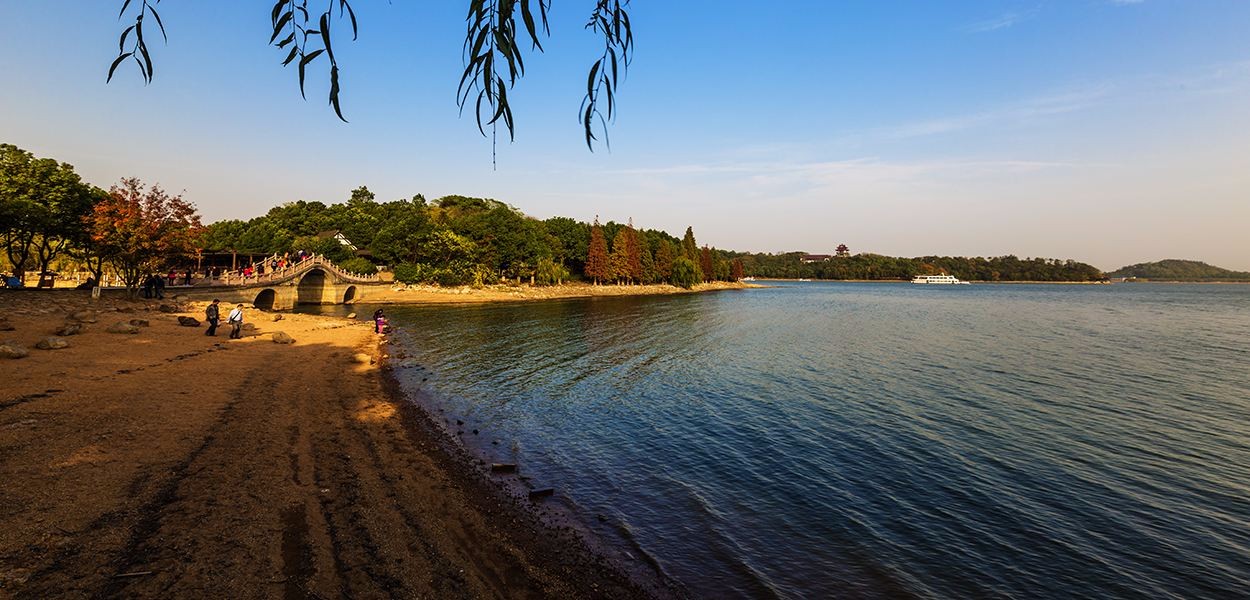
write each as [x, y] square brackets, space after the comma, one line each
[1000, 22]
[1041, 106]
[862, 170]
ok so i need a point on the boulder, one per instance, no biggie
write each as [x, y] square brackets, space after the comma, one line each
[122, 327]
[180, 298]
[83, 316]
[351, 315]
[167, 308]
[249, 327]
[140, 323]
[363, 358]
[188, 321]
[280, 337]
[12, 350]
[52, 343]
[277, 318]
[71, 329]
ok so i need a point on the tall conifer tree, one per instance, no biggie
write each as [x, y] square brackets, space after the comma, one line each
[597, 255]
[705, 263]
[688, 248]
[664, 257]
[618, 260]
[633, 253]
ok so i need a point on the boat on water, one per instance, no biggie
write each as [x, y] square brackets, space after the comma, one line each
[938, 279]
[748, 278]
[802, 279]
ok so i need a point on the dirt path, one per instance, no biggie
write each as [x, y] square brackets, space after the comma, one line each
[170, 464]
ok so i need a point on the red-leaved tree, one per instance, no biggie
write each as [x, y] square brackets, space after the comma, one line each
[633, 253]
[597, 255]
[139, 229]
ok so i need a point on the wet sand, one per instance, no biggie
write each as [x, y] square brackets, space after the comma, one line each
[171, 464]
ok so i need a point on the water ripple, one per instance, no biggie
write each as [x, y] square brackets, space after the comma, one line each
[880, 441]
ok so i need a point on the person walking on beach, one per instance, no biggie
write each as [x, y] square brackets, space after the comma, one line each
[212, 314]
[236, 322]
[379, 321]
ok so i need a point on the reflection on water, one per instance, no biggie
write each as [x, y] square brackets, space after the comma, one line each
[880, 440]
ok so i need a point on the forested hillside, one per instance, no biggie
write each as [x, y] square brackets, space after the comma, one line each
[1179, 270]
[457, 240]
[876, 266]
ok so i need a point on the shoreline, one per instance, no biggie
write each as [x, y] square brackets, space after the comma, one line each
[426, 294]
[166, 462]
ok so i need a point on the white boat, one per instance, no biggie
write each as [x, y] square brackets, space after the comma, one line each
[748, 278]
[802, 279]
[938, 279]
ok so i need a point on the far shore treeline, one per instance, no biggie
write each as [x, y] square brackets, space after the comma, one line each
[50, 218]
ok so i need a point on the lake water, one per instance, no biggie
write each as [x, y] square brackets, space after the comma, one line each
[877, 440]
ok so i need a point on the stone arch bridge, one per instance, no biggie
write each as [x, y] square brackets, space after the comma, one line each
[315, 280]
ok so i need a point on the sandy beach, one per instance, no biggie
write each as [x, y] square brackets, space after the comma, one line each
[165, 463]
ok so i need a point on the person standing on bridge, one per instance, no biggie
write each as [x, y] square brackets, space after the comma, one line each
[236, 322]
[212, 314]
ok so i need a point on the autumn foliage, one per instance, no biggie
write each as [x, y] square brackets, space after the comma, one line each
[138, 229]
[597, 267]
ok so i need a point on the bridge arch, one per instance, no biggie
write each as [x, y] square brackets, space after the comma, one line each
[265, 299]
[349, 294]
[312, 288]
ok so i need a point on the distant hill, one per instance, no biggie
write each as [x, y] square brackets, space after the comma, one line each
[1179, 270]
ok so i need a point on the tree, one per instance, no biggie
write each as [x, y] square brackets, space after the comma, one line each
[633, 253]
[706, 265]
[685, 273]
[648, 266]
[138, 229]
[42, 207]
[597, 254]
[492, 51]
[550, 272]
[664, 256]
[618, 261]
[571, 241]
[688, 248]
[736, 269]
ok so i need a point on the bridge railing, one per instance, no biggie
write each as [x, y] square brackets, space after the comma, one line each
[287, 272]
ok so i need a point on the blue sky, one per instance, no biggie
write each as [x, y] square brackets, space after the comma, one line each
[1106, 131]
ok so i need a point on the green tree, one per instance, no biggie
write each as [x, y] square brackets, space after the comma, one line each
[688, 247]
[43, 205]
[685, 273]
[664, 257]
[618, 260]
[572, 241]
[404, 223]
[549, 272]
[648, 266]
[706, 267]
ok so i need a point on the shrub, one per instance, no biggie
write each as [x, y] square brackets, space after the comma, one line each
[407, 273]
[359, 265]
